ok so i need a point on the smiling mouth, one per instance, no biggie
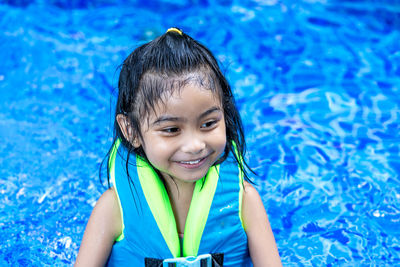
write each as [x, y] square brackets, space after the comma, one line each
[191, 164]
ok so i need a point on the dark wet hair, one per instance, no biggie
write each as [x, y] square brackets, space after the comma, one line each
[166, 64]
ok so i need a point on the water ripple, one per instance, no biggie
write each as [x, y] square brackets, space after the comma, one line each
[317, 84]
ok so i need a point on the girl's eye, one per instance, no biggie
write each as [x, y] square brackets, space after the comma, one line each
[170, 130]
[208, 124]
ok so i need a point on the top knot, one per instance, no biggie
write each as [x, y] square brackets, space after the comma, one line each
[178, 31]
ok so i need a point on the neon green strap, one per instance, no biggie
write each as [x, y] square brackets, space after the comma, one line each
[111, 167]
[158, 201]
[198, 212]
[241, 184]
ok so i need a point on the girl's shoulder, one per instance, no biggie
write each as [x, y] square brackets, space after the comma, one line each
[251, 195]
[262, 246]
[108, 210]
[103, 228]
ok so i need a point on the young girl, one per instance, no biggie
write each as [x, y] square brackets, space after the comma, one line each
[179, 190]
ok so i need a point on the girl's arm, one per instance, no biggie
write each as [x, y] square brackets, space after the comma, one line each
[103, 228]
[262, 246]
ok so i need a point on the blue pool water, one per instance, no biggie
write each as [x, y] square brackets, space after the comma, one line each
[317, 83]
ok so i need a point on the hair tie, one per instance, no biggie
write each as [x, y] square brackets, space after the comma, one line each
[175, 30]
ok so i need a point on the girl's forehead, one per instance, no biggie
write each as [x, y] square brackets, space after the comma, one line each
[191, 87]
[186, 97]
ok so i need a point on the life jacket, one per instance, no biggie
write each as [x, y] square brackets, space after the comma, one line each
[149, 231]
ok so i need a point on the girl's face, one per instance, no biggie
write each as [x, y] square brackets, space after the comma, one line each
[186, 134]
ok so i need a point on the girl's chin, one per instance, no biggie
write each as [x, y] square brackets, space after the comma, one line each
[184, 177]
[189, 177]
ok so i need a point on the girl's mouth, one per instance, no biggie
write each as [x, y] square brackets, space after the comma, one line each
[192, 164]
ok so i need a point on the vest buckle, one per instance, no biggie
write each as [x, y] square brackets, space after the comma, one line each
[204, 260]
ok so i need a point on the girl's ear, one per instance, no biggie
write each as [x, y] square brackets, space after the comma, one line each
[127, 130]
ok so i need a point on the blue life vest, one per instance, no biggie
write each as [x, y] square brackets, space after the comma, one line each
[213, 223]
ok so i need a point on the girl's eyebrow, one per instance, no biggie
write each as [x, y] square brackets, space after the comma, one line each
[209, 111]
[164, 118]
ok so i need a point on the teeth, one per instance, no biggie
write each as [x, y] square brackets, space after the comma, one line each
[191, 162]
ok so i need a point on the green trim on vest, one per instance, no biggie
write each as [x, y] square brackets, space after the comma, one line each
[111, 167]
[158, 201]
[199, 209]
[241, 185]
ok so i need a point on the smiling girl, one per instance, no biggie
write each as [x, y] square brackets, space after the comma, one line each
[180, 192]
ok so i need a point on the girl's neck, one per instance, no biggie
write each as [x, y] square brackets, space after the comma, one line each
[180, 195]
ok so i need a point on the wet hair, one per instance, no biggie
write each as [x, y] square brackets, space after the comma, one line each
[164, 65]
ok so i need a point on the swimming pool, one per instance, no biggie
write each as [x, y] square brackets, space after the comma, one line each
[317, 83]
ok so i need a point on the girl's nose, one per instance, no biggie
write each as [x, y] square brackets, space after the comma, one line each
[193, 145]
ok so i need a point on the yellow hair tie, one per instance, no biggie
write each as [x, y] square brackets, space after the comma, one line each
[175, 30]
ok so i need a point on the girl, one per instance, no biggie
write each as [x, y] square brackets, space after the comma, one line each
[179, 190]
